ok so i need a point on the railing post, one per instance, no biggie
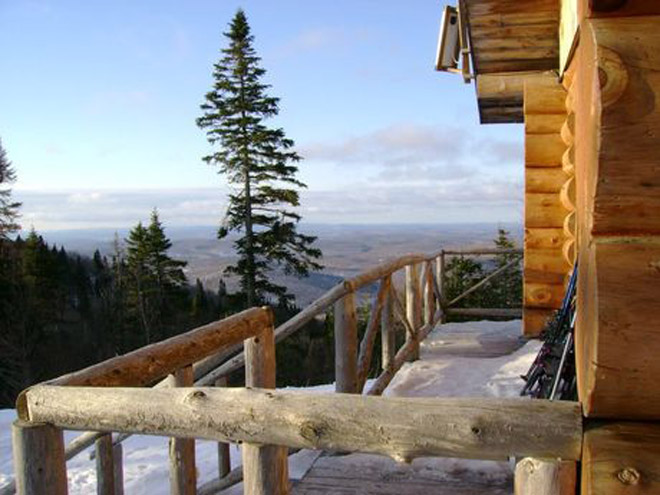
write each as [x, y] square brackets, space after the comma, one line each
[118, 463]
[182, 450]
[39, 461]
[387, 336]
[413, 306]
[265, 467]
[442, 285]
[346, 345]
[109, 472]
[545, 477]
[224, 459]
[429, 300]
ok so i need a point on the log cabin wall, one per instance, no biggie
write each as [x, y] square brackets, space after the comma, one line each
[545, 267]
[616, 96]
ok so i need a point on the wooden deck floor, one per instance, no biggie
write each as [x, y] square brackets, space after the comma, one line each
[360, 474]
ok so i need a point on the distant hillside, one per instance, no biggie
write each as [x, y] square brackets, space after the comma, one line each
[347, 249]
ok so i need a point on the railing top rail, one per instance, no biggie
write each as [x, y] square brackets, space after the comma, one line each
[480, 428]
[477, 252]
[347, 286]
[147, 364]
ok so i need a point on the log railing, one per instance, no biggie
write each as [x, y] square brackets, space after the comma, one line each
[449, 306]
[203, 357]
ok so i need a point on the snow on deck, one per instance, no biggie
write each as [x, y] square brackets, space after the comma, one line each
[475, 359]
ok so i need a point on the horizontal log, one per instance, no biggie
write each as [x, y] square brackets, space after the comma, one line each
[387, 268]
[544, 210]
[544, 96]
[495, 312]
[621, 458]
[545, 265]
[403, 428]
[317, 307]
[543, 295]
[147, 364]
[535, 320]
[544, 150]
[550, 123]
[484, 281]
[544, 179]
[543, 238]
[478, 252]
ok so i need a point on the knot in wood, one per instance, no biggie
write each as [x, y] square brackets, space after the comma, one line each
[195, 395]
[311, 431]
[629, 476]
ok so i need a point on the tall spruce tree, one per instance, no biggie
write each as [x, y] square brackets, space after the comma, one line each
[8, 207]
[157, 283]
[260, 162]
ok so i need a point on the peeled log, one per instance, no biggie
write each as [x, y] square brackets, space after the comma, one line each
[567, 194]
[543, 210]
[544, 123]
[544, 150]
[569, 225]
[545, 477]
[535, 320]
[543, 295]
[568, 161]
[545, 265]
[398, 427]
[543, 238]
[544, 96]
[544, 180]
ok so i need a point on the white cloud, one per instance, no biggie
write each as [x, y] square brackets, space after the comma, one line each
[475, 199]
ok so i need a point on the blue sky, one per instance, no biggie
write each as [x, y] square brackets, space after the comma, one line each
[99, 101]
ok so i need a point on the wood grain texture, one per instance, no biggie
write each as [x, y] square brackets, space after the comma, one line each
[413, 307]
[621, 459]
[346, 375]
[39, 464]
[619, 8]
[265, 467]
[617, 123]
[543, 295]
[543, 238]
[106, 477]
[545, 477]
[510, 41]
[403, 428]
[183, 472]
[544, 180]
[535, 320]
[625, 312]
[544, 210]
[545, 266]
[544, 150]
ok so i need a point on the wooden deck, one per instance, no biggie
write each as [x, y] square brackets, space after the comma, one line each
[366, 474]
[362, 474]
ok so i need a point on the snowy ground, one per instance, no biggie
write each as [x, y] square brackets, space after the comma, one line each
[461, 360]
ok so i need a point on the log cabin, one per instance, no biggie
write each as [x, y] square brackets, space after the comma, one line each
[583, 76]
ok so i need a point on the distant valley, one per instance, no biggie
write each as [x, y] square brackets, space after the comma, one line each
[347, 249]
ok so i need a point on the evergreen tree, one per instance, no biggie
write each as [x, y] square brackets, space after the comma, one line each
[8, 207]
[507, 289]
[157, 283]
[260, 162]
